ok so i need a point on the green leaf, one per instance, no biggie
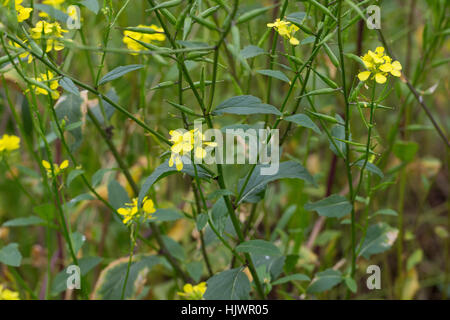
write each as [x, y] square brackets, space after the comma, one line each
[261, 247]
[249, 15]
[251, 52]
[219, 193]
[72, 175]
[219, 215]
[111, 280]
[195, 270]
[257, 183]
[117, 195]
[109, 109]
[304, 121]
[98, 176]
[164, 170]
[68, 108]
[86, 264]
[228, 285]
[387, 212]
[334, 206]
[379, 238]
[10, 255]
[118, 72]
[202, 220]
[292, 277]
[414, 259]
[78, 240]
[23, 222]
[351, 284]
[167, 215]
[307, 40]
[370, 167]
[91, 5]
[69, 86]
[324, 281]
[274, 74]
[338, 132]
[270, 267]
[405, 150]
[296, 17]
[175, 249]
[245, 105]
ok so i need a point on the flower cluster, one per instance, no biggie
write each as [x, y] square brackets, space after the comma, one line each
[184, 143]
[379, 66]
[6, 294]
[193, 292]
[130, 37]
[57, 169]
[132, 212]
[9, 143]
[51, 32]
[286, 30]
[48, 79]
[23, 13]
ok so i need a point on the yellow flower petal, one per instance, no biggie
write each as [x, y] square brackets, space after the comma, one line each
[363, 76]
[387, 67]
[148, 206]
[46, 164]
[396, 65]
[294, 41]
[380, 78]
[64, 164]
[179, 163]
[396, 73]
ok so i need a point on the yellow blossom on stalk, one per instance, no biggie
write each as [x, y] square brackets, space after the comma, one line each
[184, 143]
[193, 292]
[129, 37]
[52, 84]
[57, 169]
[286, 30]
[6, 294]
[379, 66]
[132, 212]
[52, 32]
[9, 143]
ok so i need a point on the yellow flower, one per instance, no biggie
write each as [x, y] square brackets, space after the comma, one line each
[6, 294]
[129, 37]
[131, 210]
[9, 143]
[52, 32]
[57, 170]
[379, 66]
[184, 143]
[52, 84]
[193, 292]
[286, 30]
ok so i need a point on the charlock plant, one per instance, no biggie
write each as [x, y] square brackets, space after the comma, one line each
[107, 114]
